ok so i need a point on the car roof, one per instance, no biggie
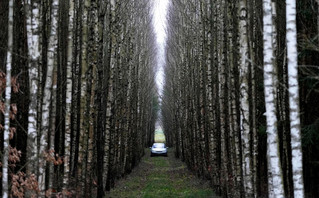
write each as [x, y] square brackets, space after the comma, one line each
[158, 143]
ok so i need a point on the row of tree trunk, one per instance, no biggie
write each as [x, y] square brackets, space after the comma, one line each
[231, 96]
[84, 87]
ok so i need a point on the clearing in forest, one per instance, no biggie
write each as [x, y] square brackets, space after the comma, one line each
[159, 136]
[161, 177]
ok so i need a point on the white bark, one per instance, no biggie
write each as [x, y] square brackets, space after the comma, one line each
[47, 95]
[5, 184]
[67, 140]
[33, 31]
[275, 178]
[84, 65]
[244, 104]
[294, 98]
[109, 99]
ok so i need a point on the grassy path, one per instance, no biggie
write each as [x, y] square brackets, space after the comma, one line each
[161, 177]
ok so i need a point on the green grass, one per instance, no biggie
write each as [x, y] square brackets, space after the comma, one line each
[158, 177]
[159, 136]
[159, 162]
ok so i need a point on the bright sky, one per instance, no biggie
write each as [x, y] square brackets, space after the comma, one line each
[159, 23]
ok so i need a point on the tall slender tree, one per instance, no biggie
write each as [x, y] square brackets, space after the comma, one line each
[6, 146]
[33, 33]
[295, 128]
[275, 183]
[244, 89]
[52, 46]
[70, 59]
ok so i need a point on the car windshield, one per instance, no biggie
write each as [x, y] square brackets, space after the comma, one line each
[158, 145]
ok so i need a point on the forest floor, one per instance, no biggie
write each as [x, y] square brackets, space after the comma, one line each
[161, 177]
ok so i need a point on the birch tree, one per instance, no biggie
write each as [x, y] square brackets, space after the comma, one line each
[244, 113]
[84, 67]
[295, 128]
[105, 99]
[67, 138]
[33, 34]
[107, 136]
[52, 46]
[275, 183]
[6, 146]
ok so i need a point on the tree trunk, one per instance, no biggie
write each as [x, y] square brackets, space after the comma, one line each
[84, 96]
[33, 34]
[67, 139]
[51, 182]
[6, 146]
[47, 97]
[275, 183]
[294, 99]
[244, 89]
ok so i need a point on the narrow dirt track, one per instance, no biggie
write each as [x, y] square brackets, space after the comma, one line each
[161, 177]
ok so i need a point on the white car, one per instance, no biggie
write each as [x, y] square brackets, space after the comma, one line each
[158, 149]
